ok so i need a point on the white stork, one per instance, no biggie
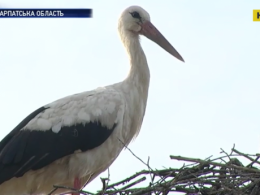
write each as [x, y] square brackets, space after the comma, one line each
[71, 141]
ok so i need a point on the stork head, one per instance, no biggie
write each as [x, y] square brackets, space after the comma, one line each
[136, 20]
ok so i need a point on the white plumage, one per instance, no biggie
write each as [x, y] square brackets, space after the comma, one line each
[102, 104]
[78, 137]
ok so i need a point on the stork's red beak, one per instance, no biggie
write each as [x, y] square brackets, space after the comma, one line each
[151, 32]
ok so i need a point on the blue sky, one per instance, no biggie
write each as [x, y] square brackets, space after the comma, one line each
[194, 108]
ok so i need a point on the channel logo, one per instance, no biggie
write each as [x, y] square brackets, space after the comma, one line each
[256, 15]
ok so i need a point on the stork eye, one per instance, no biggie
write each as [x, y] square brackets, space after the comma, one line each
[135, 15]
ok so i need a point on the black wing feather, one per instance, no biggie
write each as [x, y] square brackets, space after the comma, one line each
[20, 126]
[21, 151]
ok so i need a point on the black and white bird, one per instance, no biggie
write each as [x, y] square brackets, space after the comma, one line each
[71, 141]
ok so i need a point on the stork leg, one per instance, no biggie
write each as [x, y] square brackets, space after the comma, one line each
[77, 185]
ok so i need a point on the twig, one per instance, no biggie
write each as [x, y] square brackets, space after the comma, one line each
[248, 157]
[212, 163]
[135, 155]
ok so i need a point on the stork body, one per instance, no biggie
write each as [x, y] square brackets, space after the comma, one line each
[74, 139]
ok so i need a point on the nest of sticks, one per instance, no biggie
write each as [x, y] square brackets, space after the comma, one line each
[224, 175]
